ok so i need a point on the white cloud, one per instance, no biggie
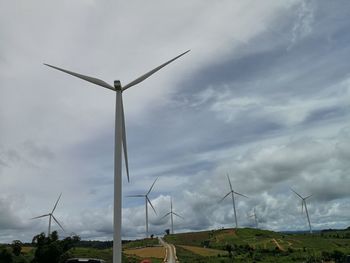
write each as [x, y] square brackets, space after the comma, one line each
[238, 103]
[303, 25]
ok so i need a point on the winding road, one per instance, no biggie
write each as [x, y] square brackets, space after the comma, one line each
[170, 252]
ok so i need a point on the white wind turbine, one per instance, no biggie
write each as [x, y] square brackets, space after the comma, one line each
[171, 213]
[303, 203]
[232, 192]
[147, 201]
[120, 143]
[51, 216]
[255, 218]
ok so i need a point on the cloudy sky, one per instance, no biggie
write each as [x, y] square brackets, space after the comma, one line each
[263, 96]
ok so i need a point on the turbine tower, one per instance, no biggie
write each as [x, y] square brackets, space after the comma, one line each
[232, 192]
[120, 144]
[255, 218]
[303, 203]
[51, 216]
[147, 201]
[171, 213]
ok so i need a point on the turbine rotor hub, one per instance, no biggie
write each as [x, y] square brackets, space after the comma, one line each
[117, 85]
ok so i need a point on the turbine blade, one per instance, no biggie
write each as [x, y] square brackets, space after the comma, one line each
[308, 217]
[229, 181]
[149, 201]
[135, 196]
[124, 143]
[148, 74]
[241, 194]
[56, 203]
[178, 216]
[152, 186]
[302, 206]
[307, 197]
[87, 78]
[222, 199]
[54, 218]
[165, 215]
[40, 216]
[296, 193]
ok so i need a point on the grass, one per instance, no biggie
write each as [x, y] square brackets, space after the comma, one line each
[206, 252]
[247, 245]
[254, 245]
[82, 252]
[133, 252]
[147, 242]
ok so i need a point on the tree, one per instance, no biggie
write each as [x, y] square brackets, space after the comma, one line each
[16, 247]
[5, 255]
[51, 249]
[229, 249]
[338, 256]
[54, 236]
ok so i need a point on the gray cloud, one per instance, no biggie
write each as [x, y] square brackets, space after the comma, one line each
[263, 96]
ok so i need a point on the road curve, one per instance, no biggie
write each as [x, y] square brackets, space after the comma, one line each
[170, 252]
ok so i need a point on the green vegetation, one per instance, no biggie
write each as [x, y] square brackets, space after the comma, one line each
[44, 250]
[53, 250]
[255, 245]
[147, 242]
[242, 245]
[82, 252]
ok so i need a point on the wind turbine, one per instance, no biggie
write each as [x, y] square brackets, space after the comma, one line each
[255, 218]
[171, 213]
[147, 201]
[232, 192]
[303, 203]
[50, 215]
[120, 143]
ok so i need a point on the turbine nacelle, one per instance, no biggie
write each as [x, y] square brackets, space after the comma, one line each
[117, 85]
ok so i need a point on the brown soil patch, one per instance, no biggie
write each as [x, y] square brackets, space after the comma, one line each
[228, 232]
[26, 249]
[147, 252]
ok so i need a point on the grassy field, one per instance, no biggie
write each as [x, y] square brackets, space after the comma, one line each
[147, 242]
[147, 252]
[254, 245]
[205, 252]
[229, 245]
[133, 252]
[82, 252]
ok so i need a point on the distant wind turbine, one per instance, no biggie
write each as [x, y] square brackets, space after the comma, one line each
[171, 213]
[255, 218]
[147, 201]
[120, 143]
[303, 203]
[50, 215]
[232, 192]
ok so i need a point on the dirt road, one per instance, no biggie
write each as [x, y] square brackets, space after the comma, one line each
[170, 252]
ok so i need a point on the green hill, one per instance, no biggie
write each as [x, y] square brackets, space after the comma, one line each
[255, 245]
[230, 245]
